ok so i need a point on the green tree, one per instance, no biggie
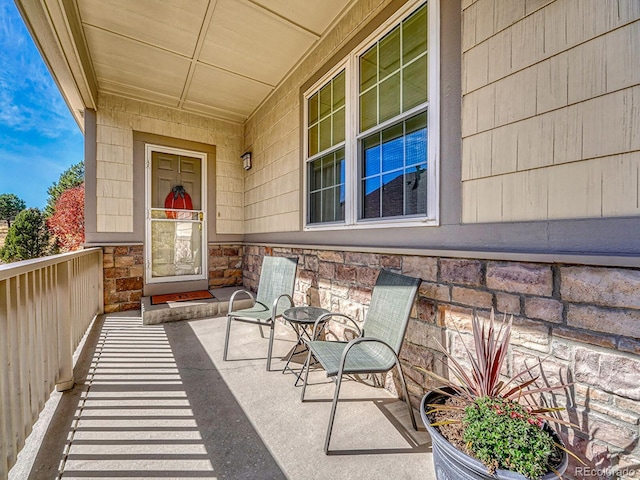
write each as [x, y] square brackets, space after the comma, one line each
[72, 177]
[10, 206]
[27, 238]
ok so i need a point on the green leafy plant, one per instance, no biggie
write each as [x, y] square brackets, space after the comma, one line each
[496, 411]
[503, 433]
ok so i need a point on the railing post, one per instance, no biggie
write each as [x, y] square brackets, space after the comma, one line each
[100, 282]
[65, 379]
[6, 427]
[45, 307]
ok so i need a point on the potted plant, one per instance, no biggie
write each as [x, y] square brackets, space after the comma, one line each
[484, 427]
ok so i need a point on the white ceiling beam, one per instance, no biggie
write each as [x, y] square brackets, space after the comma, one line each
[284, 20]
[204, 28]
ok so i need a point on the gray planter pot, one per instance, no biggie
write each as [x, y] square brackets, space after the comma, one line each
[452, 464]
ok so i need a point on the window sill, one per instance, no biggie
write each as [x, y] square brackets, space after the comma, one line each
[375, 224]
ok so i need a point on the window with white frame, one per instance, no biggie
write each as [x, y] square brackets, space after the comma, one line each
[325, 147]
[368, 155]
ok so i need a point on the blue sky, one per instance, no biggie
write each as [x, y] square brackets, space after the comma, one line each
[39, 139]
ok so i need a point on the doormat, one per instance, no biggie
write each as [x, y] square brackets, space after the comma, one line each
[180, 297]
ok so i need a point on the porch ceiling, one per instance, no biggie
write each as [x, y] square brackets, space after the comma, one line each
[220, 58]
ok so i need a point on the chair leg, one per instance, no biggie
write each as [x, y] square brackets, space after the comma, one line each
[307, 364]
[271, 333]
[226, 338]
[300, 372]
[405, 392]
[333, 413]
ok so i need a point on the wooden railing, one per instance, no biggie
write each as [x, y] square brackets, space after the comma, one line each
[46, 306]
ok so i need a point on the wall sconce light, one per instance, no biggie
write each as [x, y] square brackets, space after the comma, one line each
[246, 160]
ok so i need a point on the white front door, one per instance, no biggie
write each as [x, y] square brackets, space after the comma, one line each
[175, 198]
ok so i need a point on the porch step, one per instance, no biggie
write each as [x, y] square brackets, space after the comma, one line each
[191, 309]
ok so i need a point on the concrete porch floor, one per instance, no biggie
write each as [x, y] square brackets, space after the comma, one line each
[158, 401]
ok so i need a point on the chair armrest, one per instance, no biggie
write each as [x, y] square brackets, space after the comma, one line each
[326, 316]
[237, 292]
[274, 309]
[355, 342]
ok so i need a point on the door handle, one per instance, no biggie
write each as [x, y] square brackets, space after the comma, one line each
[201, 216]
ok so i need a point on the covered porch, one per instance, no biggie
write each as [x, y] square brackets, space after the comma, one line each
[521, 196]
[157, 401]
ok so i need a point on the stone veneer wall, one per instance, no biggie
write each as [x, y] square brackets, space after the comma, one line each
[583, 321]
[123, 268]
[225, 265]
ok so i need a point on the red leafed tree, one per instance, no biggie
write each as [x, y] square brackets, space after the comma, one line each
[67, 221]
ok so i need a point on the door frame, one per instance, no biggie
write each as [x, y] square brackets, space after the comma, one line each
[149, 148]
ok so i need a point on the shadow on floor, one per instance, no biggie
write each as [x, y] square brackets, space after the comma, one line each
[231, 441]
[149, 403]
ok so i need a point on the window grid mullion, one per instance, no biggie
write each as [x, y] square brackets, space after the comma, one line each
[381, 174]
[400, 62]
[333, 148]
[351, 168]
[377, 82]
[331, 112]
[395, 120]
[404, 163]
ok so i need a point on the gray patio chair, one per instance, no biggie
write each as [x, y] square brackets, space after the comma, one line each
[274, 296]
[376, 349]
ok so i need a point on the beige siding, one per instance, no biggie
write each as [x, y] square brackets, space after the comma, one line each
[117, 118]
[272, 187]
[551, 109]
